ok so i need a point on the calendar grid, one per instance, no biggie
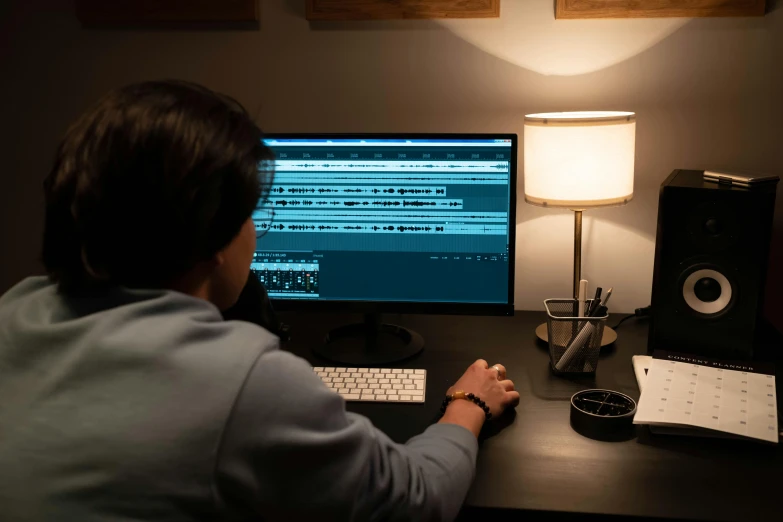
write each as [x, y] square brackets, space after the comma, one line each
[735, 398]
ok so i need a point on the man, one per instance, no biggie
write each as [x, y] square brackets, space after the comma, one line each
[124, 395]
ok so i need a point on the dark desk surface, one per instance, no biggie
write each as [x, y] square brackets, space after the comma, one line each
[538, 462]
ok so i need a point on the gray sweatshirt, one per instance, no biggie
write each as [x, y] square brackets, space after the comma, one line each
[146, 405]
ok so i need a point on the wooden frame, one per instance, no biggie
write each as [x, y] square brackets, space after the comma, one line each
[571, 9]
[156, 13]
[338, 10]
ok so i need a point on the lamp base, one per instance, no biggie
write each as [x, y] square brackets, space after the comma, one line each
[607, 338]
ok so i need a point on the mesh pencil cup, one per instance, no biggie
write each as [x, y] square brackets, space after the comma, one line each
[574, 342]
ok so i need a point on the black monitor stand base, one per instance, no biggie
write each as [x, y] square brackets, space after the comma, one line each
[370, 343]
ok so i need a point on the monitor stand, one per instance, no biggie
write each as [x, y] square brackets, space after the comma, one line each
[370, 343]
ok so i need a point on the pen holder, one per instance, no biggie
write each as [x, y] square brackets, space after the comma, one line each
[574, 342]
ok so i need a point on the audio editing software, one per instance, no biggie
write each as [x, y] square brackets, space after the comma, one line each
[387, 220]
[285, 277]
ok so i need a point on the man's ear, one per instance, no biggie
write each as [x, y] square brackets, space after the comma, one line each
[215, 261]
[207, 267]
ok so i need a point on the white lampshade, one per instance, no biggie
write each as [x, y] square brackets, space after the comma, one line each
[579, 160]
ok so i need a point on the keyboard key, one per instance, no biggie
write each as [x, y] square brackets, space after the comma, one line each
[326, 379]
[345, 374]
[337, 379]
[380, 397]
[334, 374]
[368, 375]
[392, 398]
[417, 376]
[397, 370]
[405, 397]
[409, 387]
[407, 381]
[398, 386]
[372, 381]
[350, 379]
[363, 370]
[386, 386]
[318, 369]
[375, 370]
[351, 385]
[342, 390]
[367, 398]
[363, 385]
[408, 371]
[383, 381]
[391, 392]
[419, 385]
[340, 370]
[356, 374]
[361, 379]
[351, 396]
[415, 393]
[396, 381]
[420, 372]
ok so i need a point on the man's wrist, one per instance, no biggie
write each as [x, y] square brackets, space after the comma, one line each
[465, 407]
[466, 414]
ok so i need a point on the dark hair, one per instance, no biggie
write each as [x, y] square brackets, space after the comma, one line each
[154, 178]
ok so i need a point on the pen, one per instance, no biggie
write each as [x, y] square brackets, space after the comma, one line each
[588, 330]
[582, 295]
[606, 299]
[595, 302]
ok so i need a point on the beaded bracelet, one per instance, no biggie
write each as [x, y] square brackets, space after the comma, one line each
[467, 396]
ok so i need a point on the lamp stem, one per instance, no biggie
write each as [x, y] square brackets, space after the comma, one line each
[577, 251]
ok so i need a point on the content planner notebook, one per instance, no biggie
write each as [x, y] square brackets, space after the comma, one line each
[686, 391]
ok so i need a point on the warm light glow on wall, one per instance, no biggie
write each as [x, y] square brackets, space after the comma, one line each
[528, 36]
[579, 160]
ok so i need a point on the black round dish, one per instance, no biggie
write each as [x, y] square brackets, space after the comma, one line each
[603, 414]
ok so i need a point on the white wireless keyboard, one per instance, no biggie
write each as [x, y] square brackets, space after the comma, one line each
[375, 384]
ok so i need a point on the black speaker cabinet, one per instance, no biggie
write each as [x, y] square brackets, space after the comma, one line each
[711, 254]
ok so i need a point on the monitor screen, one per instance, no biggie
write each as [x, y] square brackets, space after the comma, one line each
[419, 219]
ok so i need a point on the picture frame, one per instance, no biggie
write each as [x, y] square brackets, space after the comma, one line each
[343, 10]
[581, 9]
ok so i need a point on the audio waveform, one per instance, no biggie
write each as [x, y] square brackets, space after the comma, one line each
[451, 180]
[380, 215]
[374, 228]
[283, 165]
[397, 166]
[386, 214]
[383, 228]
[359, 190]
[365, 203]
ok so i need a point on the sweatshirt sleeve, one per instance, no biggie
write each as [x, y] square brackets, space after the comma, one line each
[291, 452]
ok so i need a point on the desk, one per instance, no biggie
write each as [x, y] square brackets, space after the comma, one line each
[538, 463]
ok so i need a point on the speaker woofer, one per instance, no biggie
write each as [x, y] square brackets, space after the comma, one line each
[707, 291]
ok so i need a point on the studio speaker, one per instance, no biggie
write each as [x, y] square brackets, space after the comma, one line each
[711, 255]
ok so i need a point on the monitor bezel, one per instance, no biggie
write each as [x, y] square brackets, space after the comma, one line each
[408, 307]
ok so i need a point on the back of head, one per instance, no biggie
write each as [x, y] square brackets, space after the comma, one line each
[154, 178]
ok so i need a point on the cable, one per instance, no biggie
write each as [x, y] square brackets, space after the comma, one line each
[621, 321]
[639, 312]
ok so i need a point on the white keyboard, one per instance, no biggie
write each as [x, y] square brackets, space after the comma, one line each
[375, 384]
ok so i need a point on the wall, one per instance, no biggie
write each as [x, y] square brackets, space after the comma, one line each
[707, 93]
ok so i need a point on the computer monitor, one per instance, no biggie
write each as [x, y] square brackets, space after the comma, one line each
[372, 223]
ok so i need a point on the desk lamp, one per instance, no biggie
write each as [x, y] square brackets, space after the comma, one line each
[579, 160]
